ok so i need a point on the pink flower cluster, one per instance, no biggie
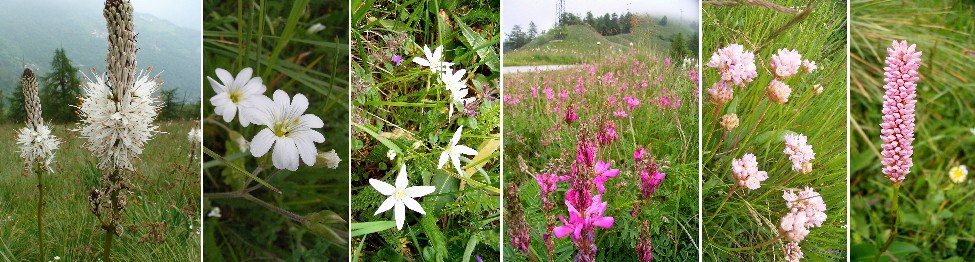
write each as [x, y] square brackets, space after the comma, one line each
[548, 183]
[736, 65]
[786, 63]
[806, 210]
[650, 179]
[778, 91]
[570, 115]
[746, 172]
[607, 133]
[631, 102]
[900, 97]
[603, 174]
[799, 152]
[581, 226]
[721, 93]
[644, 251]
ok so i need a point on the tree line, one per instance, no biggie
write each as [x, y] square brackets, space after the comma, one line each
[61, 88]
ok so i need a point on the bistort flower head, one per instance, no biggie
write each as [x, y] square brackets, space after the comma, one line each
[288, 129]
[433, 60]
[778, 91]
[721, 93]
[785, 63]
[792, 252]
[453, 151]
[736, 65]
[729, 121]
[401, 196]
[958, 174]
[810, 66]
[746, 172]
[897, 130]
[117, 128]
[799, 152]
[241, 93]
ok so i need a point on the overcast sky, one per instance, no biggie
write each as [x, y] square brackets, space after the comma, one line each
[542, 12]
[185, 13]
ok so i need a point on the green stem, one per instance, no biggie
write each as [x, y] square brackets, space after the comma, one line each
[893, 223]
[107, 247]
[40, 210]
[732, 190]
[766, 243]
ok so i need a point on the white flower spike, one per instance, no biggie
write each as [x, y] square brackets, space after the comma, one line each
[242, 94]
[453, 152]
[433, 60]
[400, 196]
[289, 130]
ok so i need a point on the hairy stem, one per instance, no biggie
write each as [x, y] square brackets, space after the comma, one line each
[40, 210]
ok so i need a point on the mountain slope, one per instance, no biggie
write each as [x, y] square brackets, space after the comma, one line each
[32, 30]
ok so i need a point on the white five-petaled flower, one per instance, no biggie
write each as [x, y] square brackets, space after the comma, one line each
[37, 145]
[118, 128]
[434, 60]
[401, 196]
[288, 129]
[453, 152]
[242, 93]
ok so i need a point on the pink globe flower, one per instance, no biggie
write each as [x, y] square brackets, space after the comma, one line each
[778, 91]
[786, 63]
[736, 65]
[720, 93]
[746, 172]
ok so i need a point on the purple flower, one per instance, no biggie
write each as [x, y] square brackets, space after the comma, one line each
[548, 183]
[603, 173]
[398, 60]
[650, 179]
[639, 153]
[897, 130]
[667, 61]
[570, 115]
[585, 221]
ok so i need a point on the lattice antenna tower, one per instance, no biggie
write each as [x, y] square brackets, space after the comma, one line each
[560, 12]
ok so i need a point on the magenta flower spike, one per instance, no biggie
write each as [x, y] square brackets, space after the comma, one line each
[603, 173]
[897, 130]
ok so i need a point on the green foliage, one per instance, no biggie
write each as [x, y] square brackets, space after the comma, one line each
[308, 219]
[59, 88]
[536, 132]
[934, 218]
[750, 217]
[15, 108]
[162, 219]
[663, 21]
[678, 50]
[403, 109]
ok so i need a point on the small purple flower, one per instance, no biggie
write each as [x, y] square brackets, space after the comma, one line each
[639, 153]
[585, 221]
[478, 257]
[650, 181]
[398, 60]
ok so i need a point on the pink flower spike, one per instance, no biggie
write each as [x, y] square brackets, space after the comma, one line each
[639, 152]
[603, 173]
[900, 97]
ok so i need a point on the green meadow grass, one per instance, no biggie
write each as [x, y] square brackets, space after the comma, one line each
[934, 218]
[404, 109]
[535, 132]
[161, 221]
[274, 39]
[579, 41]
[749, 218]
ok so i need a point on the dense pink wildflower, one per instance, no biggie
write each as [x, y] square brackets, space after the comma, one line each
[736, 65]
[603, 174]
[721, 93]
[644, 252]
[799, 152]
[786, 63]
[746, 172]
[570, 115]
[607, 133]
[806, 210]
[900, 97]
[631, 102]
[639, 153]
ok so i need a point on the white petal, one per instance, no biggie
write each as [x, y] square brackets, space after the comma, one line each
[281, 99]
[311, 121]
[418, 191]
[462, 149]
[456, 137]
[259, 110]
[228, 113]
[383, 187]
[413, 205]
[285, 154]
[421, 61]
[262, 142]
[306, 149]
[254, 87]
[225, 77]
[443, 159]
[388, 204]
[217, 87]
[437, 54]
[243, 77]
[451, 113]
[402, 181]
[400, 215]
[456, 160]
[300, 103]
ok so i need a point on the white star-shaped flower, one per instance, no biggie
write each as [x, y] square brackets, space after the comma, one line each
[237, 94]
[433, 60]
[289, 130]
[453, 81]
[458, 98]
[453, 152]
[400, 196]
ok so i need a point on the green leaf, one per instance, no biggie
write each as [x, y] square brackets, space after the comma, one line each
[363, 228]
[437, 239]
[902, 250]
[484, 49]
[471, 244]
[388, 143]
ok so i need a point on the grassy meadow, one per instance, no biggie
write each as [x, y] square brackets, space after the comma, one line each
[538, 140]
[739, 225]
[401, 117]
[934, 219]
[162, 219]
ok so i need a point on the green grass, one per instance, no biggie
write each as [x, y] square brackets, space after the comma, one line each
[273, 38]
[934, 218]
[749, 218]
[535, 131]
[404, 109]
[580, 40]
[161, 220]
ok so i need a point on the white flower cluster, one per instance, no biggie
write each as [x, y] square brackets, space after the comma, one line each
[195, 136]
[800, 153]
[453, 80]
[286, 126]
[806, 210]
[746, 172]
[37, 145]
[118, 127]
